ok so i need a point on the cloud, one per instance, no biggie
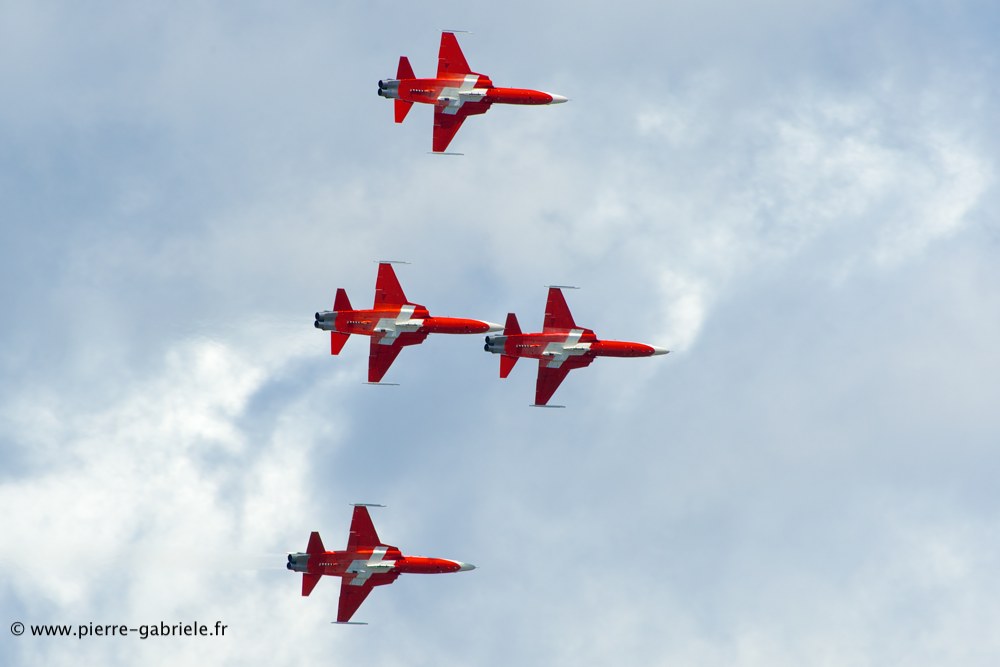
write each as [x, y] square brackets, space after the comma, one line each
[805, 478]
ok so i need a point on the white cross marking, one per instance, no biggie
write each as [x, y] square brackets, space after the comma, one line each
[455, 97]
[363, 569]
[390, 328]
[558, 352]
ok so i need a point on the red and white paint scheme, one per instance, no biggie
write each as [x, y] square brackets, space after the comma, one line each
[366, 563]
[456, 93]
[559, 347]
[393, 322]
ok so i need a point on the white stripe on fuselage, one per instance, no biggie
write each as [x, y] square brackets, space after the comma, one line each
[363, 569]
[390, 328]
[456, 96]
[557, 353]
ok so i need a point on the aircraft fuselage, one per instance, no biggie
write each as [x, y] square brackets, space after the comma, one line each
[574, 343]
[397, 320]
[472, 90]
[364, 563]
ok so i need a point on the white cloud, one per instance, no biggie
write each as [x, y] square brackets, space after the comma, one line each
[181, 424]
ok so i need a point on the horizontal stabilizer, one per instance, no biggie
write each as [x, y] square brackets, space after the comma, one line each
[402, 107]
[506, 364]
[309, 582]
[341, 302]
[404, 71]
[337, 341]
[315, 544]
[511, 326]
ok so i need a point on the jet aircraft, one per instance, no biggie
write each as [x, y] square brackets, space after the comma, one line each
[456, 93]
[367, 562]
[393, 322]
[559, 347]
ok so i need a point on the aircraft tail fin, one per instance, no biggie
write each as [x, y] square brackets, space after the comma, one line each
[315, 544]
[511, 327]
[309, 582]
[506, 364]
[315, 548]
[402, 107]
[404, 71]
[337, 341]
[341, 302]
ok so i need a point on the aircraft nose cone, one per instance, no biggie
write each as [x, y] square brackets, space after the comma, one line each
[465, 567]
[493, 327]
[558, 99]
[659, 350]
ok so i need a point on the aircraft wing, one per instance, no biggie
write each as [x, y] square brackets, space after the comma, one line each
[451, 60]
[363, 533]
[557, 315]
[351, 598]
[388, 291]
[445, 127]
[354, 590]
[550, 377]
[380, 357]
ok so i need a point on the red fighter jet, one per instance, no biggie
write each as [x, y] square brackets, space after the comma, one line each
[456, 93]
[366, 563]
[560, 347]
[393, 323]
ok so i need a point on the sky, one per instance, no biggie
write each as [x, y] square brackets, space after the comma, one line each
[800, 200]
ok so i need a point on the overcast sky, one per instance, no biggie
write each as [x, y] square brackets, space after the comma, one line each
[799, 199]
